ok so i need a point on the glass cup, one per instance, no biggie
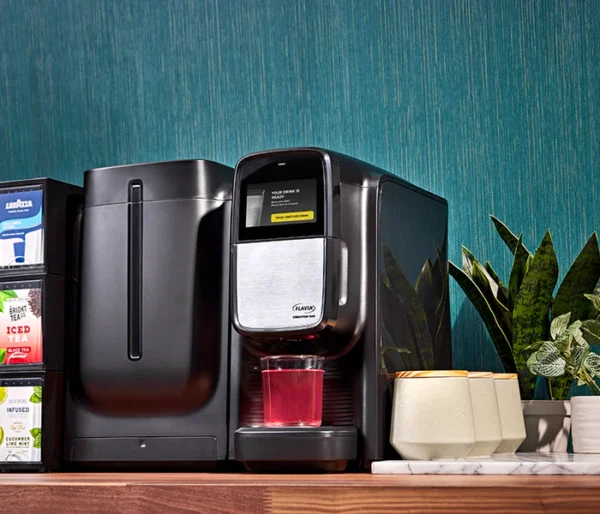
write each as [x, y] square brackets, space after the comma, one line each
[292, 390]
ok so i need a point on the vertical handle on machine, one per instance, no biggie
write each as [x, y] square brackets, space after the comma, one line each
[134, 270]
[343, 273]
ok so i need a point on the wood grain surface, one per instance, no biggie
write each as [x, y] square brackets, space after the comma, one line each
[245, 493]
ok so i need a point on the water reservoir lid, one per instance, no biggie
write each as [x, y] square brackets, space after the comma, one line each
[159, 181]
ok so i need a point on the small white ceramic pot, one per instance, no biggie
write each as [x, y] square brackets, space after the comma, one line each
[511, 412]
[488, 432]
[585, 424]
[547, 423]
[432, 416]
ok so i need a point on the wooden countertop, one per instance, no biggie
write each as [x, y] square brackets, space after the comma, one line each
[167, 493]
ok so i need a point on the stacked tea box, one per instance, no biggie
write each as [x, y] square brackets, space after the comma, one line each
[37, 260]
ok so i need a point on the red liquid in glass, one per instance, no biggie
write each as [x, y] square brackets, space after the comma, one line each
[293, 397]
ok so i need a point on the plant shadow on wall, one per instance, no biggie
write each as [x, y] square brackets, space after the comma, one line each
[415, 319]
[519, 315]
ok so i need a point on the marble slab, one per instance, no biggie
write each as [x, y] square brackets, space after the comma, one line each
[517, 464]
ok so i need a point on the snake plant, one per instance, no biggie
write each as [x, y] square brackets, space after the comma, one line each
[416, 320]
[519, 315]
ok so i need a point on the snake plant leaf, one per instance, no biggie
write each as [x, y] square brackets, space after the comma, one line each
[469, 264]
[409, 299]
[529, 259]
[441, 318]
[397, 329]
[428, 290]
[591, 331]
[441, 345]
[495, 331]
[559, 325]
[517, 272]
[532, 307]
[385, 351]
[425, 277]
[595, 299]
[507, 236]
[503, 315]
[490, 270]
[391, 362]
[502, 289]
[467, 261]
[581, 278]
[440, 272]
[490, 287]
[442, 348]
[592, 364]
[491, 284]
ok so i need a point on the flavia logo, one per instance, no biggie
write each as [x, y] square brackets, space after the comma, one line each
[19, 204]
[300, 307]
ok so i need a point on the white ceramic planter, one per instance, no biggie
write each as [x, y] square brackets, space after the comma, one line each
[585, 424]
[488, 432]
[432, 416]
[511, 412]
[547, 423]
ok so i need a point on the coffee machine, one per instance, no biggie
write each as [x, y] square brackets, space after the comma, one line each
[334, 257]
[147, 373]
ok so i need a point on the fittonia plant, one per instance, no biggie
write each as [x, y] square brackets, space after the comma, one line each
[568, 353]
[519, 315]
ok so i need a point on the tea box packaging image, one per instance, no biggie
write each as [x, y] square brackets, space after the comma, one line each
[21, 230]
[36, 215]
[21, 423]
[32, 321]
[21, 323]
[28, 423]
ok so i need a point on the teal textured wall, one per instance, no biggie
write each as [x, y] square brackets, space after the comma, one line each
[494, 105]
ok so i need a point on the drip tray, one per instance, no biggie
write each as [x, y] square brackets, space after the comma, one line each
[296, 448]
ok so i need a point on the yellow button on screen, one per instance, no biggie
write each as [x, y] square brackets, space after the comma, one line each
[284, 217]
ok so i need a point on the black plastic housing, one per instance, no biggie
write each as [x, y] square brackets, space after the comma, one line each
[148, 378]
[296, 448]
[393, 233]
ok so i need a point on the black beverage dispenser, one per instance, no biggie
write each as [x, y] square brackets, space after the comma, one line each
[147, 382]
[336, 258]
